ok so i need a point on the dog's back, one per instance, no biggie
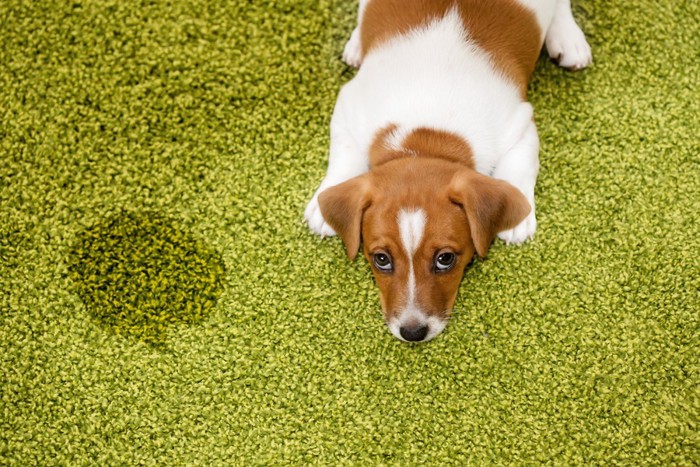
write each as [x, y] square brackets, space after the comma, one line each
[462, 66]
[511, 32]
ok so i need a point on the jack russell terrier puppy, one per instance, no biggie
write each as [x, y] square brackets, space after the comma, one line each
[434, 151]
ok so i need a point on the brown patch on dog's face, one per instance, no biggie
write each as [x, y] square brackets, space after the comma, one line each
[446, 233]
[438, 258]
[421, 220]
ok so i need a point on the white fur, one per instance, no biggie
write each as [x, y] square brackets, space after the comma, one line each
[437, 77]
[565, 41]
[395, 139]
[431, 77]
[413, 314]
[543, 11]
[352, 53]
[411, 228]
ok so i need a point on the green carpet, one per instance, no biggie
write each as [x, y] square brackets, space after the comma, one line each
[162, 302]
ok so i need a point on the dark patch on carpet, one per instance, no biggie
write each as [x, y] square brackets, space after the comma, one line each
[140, 274]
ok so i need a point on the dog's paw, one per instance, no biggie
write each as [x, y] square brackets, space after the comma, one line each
[352, 54]
[567, 46]
[522, 232]
[314, 218]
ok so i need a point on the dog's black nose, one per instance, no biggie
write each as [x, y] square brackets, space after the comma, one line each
[414, 333]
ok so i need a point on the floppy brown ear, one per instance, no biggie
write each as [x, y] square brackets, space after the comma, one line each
[342, 207]
[491, 206]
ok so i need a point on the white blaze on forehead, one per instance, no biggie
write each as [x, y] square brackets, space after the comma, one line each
[411, 228]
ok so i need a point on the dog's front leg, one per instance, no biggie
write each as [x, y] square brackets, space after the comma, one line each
[519, 167]
[345, 161]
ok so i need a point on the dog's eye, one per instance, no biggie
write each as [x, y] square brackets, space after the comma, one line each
[444, 261]
[383, 262]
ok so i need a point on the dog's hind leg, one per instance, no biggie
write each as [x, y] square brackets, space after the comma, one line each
[566, 43]
[352, 54]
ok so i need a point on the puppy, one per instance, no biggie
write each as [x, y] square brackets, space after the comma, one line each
[434, 151]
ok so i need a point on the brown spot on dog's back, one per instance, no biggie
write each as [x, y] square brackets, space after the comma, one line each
[505, 29]
[440, 144]
[426, 142]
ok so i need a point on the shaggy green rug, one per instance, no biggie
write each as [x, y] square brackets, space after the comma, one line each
[162, 302]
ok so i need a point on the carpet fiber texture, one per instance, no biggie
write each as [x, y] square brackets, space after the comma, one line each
[162, 302]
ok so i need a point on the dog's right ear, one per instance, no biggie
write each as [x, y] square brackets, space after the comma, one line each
[343, 206]
[491, 206]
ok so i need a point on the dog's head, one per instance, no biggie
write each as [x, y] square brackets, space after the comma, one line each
[420, 221]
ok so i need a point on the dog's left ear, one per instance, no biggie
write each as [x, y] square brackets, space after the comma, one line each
[491, 206]
[343, 206]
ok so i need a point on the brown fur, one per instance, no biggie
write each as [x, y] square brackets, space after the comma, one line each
[503, 28]
[423, 141]
[464, 212]
[432, 170]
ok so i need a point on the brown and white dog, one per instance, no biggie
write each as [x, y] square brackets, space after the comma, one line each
[434, 151]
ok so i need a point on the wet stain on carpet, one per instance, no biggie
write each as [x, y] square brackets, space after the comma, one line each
[140, 274]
